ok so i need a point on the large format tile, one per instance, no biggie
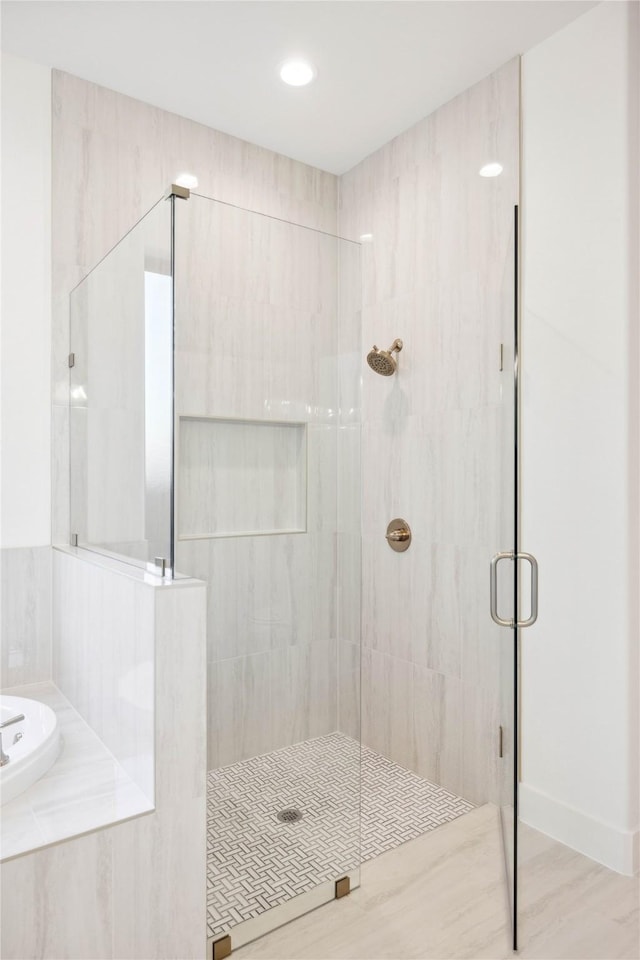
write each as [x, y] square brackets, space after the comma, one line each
[264, 592]
[349, 688]
[67, 916]
[303, 692]
[113, 893]
[106, 145]
[387, 706]
[103, 658]
[442, 896]
[240, 720]
[437, 272]
[437, 706]
[25, 629]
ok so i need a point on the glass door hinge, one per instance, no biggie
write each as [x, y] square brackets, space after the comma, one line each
[72, 359]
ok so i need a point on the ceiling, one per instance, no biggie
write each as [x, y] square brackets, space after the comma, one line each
[381, 66]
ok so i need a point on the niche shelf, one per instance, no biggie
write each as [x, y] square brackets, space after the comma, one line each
[241, 478]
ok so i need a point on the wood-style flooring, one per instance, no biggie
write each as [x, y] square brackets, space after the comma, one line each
[443, 896]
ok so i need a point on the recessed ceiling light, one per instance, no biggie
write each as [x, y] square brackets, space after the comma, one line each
[491, 170]
[297, 73]
[188, 180]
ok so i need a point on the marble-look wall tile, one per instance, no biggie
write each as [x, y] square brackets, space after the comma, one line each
[482, 641]
[113, 158]
[58, 902]
[482, 771]
[160, 905]
[271, 619]
[268, 700]
[264, 592]
[387, 706]
[437, 728]
[103, 658]
[394, 605]
[113, 894]
[261, 342]
[180, 650]
[120, 316]
[25, 642]
[324, 481]
[242, 477]
[241, 709]
[438, 273]
[259, 338]
[349, 688]
[303, 688]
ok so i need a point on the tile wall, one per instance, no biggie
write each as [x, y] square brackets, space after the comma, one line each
[25, 615]
[438, 273]
[272, 643]
[113, 158]
[259, 327]
[104, 659]
[113, 892]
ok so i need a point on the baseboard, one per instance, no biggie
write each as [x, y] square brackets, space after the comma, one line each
[615, 848]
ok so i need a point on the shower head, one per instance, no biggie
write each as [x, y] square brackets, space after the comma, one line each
[383, 361]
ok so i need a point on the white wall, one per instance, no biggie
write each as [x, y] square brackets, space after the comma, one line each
[580, 747]
[25, 373]
[25, 341]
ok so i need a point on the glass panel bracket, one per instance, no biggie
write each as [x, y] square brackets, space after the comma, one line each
[175, 190]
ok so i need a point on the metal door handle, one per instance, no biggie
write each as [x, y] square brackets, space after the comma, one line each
[533, 616]
[533, 563]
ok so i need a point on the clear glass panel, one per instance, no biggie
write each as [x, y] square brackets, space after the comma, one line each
[507, 579]
[121, 397]
[268, 371]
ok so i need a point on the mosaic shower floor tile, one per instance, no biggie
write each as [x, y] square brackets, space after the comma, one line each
[256, 861]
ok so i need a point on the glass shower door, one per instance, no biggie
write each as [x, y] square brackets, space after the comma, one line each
[503, 599]
[513, 587]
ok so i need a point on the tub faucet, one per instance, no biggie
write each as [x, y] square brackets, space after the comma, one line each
[4, 759]
[16, 719]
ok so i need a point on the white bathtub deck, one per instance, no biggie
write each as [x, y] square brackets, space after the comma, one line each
[85, 789]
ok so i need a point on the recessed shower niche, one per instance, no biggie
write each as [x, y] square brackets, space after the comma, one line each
[240, 477]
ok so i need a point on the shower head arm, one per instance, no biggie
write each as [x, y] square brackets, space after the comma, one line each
[395, 347]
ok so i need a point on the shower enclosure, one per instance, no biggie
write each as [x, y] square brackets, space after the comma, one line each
[216, 381]
[215, 432]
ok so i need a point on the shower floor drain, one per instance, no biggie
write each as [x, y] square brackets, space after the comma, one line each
[290, 815]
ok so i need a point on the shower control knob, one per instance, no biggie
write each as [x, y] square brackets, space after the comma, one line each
[398, 535]
[402, 534]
